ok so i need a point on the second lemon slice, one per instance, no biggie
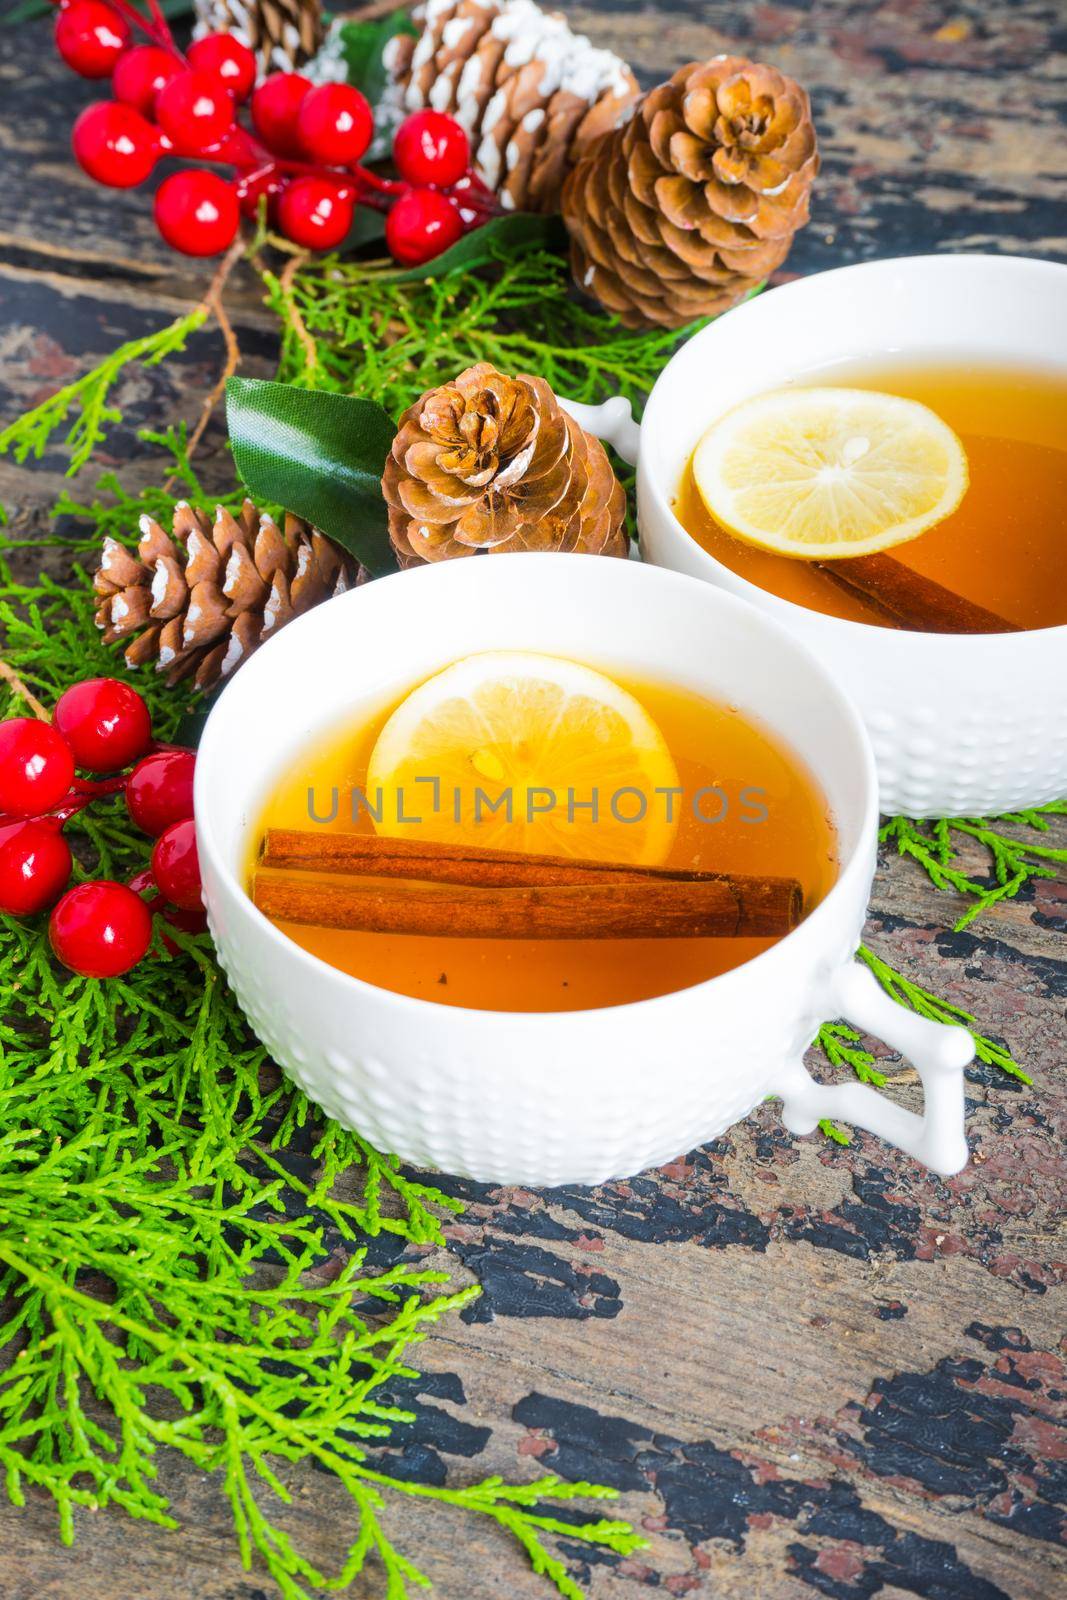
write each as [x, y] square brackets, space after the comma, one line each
[555, 735]
[826, 473]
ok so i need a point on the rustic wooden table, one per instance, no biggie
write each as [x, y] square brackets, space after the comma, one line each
[807, 1369]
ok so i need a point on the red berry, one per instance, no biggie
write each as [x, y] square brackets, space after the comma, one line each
[160, 790]
[36, 767]
[335, 124]
[420, 225]
[222, 56]
[315, 212]
[141, 73]
[114, 144]
[275, 109]
[431, 147]
[106, 724]
[35, 866]
[100, 929]
[90, 37]
[197, 212]
[195, 111]
[176, 865]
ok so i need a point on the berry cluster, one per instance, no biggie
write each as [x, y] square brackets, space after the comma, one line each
[302, 152]
[101, 726]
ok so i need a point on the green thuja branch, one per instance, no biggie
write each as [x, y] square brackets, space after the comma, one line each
[183, 1237]
[929, 1005]
[114, 512]
[1013, 861]
[349, 326]
[840, 1042]
[90, 395]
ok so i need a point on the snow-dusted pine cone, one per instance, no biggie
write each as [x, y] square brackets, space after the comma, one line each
[531, 94]
[284, 34]
[696, 200]
[199, 600]
[493, 463]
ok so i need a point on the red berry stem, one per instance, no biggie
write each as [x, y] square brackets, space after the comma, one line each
[241, 149]
[374, 181]
[77, 801]
[166, 744]
[157, 16]
[482, 211]
[70, 808]
[157, 30]
[90, 788]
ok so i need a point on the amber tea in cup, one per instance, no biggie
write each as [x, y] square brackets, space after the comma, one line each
[388, 851]
[997, 562]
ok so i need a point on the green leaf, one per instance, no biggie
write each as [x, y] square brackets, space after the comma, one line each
[498, 239]
[321, 455]
[363, 46]
[368, 227]
[25, 11]
[191, 726]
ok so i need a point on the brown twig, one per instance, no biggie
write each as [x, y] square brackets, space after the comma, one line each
[233, 360]
[214, 302]
[11, 677]
[378, 8]
[295, 320]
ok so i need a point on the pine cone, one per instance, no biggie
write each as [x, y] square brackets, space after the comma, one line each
[696, 200]
[530, 93]
[494, 463]
[284, 34]
[200, 600]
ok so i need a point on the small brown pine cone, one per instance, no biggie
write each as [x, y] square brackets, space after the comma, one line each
[696, 200]
[282, 34]
[199, 600]
[531, 94]
[491, 463]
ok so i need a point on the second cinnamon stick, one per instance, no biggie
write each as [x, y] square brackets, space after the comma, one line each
[909, 600]
[319, 850]
[652, 907]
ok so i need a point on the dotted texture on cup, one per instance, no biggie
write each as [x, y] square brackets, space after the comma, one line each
[501, 1123]
[990, 759]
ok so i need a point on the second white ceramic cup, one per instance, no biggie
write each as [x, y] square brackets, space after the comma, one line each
[961, 725]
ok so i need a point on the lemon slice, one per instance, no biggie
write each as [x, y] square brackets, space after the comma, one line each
[552, 734]
[824, 473]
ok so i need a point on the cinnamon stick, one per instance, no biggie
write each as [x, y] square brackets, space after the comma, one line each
[908, 600]
[316, 850]
[631, 907]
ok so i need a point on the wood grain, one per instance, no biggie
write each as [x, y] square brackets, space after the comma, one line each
[809, 1370]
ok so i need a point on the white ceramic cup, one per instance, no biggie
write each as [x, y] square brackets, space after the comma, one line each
[961, 725]
[579, 1096]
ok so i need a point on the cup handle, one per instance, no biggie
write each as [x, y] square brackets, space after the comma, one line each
[613, 422]
[939, 1051]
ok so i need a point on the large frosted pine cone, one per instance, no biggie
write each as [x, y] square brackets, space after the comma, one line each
[491, 463]
[696, 200]
[531, 94]
[283, 34]
[199, 600]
